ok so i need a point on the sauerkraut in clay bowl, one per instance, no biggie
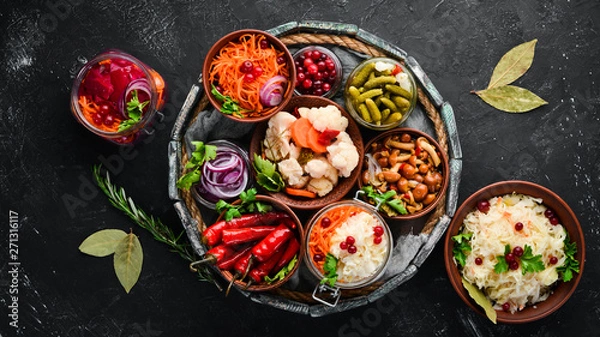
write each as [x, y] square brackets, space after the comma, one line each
[309, 154]
[348, 246]
[516, 250]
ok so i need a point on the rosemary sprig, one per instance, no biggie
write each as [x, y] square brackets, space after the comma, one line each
[161, 233]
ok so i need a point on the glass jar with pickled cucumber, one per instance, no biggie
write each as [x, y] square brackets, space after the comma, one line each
[380, 93]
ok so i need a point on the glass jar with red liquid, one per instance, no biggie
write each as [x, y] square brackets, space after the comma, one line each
[116, 96]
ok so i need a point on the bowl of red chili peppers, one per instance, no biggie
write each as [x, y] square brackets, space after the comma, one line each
[256, 244]
[249, 75]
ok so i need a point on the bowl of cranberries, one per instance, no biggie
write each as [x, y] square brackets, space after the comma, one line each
[518, 248]
[318, 72]
[249, 75]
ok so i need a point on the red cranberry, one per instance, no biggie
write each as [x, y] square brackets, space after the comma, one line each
[326, 87]
[97, 118]
[108, 120]
[321, 65]
[478, 261]
[315, 66]
[264, 44]
[519, 226]
[344, 245]
[506, 307]
[316, 55]
[483, 206]
[377, 240]
[548, 213]
[246, 66]
[352, 249]
[280, 60]
[554, 221]
[325, 222]
[257, 71]
[249, 78]
[104, 109]
[518, 251]
[378, 230]
[318, 257]
[318, 92]
[312, 69]
[308, 62]
[513, 265]
[510, 257]
[553, 260]
[301, 77]
[350, 240]
[307, 83]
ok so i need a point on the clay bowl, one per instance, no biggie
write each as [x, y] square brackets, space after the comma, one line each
[561, 291]
[378, 145]
[298, 234]
[344, 184]
[234, 37]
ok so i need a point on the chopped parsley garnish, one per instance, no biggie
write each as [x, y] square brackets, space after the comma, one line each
[461, 247]
[135, 109]
[571, 265]
[330, 269]
[202, 153]
[248, 204]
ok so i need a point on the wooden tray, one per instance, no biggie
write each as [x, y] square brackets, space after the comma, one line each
[438, 113]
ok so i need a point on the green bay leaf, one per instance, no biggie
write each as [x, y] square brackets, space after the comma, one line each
[480, 298]
[102, 243]
[513, 64]
[128, 261]
[511, 98]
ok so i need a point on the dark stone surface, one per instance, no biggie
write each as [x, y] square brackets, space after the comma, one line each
[47, 157]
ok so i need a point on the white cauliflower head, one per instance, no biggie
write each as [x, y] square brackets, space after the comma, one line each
[321, 186]
[328, 117]
[278, 135]
[320, 167]
[343, 155]
[292, 172]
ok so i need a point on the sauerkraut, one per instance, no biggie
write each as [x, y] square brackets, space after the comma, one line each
[493, 231]
[369, 257]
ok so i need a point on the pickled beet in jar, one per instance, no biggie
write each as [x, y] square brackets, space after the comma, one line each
[318, 72]
[116, 96]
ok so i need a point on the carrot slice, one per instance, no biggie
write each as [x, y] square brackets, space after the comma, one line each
[313, 141]
[299, 130]
[300, 192]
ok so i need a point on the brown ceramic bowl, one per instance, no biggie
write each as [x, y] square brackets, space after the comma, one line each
[562, 290]
[299, 235]
[375, 146]
[234, 37]
[344, 185]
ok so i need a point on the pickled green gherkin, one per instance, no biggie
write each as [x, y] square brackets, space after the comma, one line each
[398, 90]
[363, 75]
[364, 112]
[373, 110]
[379, 82]
[393, 118]
[369, 94]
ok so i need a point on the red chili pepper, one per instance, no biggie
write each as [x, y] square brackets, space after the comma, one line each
[229, 263]
[213, 234]
[218, 253]
[264, 268]
[290, 223]
[267, 246]
[236, 236]
[289, 253]
[241, 266]
[396, 70]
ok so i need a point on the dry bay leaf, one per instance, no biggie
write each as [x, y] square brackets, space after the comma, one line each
[102, 243]
[480, 299]
[511, 98]
[128, 261]
[513, 64]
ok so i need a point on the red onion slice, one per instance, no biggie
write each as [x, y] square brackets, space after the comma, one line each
[140, 84]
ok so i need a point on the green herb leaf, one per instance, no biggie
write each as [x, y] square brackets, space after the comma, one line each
[228, 105]
[267, 175]
[461, 247]
[511, 98]
[201, 154]
[513, 64]
[330, 268]
[531, 263]
[283, 272]
[388, 198]
[135, 109]
[571, 264]
[501, 266]
[102, 243]
[128, 261]
[248, 204]
[479, 297]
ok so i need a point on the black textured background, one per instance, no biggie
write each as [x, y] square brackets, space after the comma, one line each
[46, 156]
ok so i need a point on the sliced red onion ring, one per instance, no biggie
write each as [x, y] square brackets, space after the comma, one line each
[140, 84]
[224, 177]
[271, 93]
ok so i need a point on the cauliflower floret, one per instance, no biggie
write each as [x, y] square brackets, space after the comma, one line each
[277, 136]
[404, 81]
[343, 155]
[294, 151]
[320, 167]
[328, 117]
[291, 171]
[321, 186]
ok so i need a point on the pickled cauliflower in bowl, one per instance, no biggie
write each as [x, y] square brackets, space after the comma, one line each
[348, 245]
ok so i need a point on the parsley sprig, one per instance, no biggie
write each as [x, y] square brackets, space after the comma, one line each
[229, 106]
[283, 272]
[387, 198]
[529, 263]
[571, 265]
[135, 109]
[202, 153]
[248, 204]
[267, 175]
[330, 269]
[461, 247]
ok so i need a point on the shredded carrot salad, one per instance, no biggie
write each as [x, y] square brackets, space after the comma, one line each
[89, 109]
[319, 241]
[225, 71]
